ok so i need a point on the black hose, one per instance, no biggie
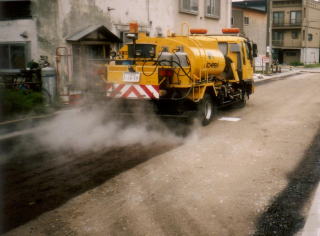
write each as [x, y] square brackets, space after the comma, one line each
[156, 63]
[178, 74]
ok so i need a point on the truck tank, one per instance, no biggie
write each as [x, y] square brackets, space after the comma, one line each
[202, 52]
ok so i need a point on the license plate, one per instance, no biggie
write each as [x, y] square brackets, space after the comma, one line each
[131, 77]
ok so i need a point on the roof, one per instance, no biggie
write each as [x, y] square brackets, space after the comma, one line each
[256, 5]
[101, 29]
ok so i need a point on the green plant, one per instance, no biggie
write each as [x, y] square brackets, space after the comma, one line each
[312, 65]
[19, 102]
[296, 63]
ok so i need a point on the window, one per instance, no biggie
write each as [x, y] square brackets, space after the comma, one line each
[10, 10]
[189, 6]
[223, 48]
[13, 56]
[246, 20]
[310, 37]
[234, 47]
[243, 53]
[277, 38]
[277, 35]
[98, 52]
[212, 8]
[295, 17]
[294, 34]
[232, 21]
[278, 18]
[290, 3]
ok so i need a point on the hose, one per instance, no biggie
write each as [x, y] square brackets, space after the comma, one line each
[156, 63]
[178, 74]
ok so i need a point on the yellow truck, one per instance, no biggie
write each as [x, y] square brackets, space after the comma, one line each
[188, 74]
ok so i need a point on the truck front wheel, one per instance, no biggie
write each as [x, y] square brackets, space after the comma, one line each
[207, 110]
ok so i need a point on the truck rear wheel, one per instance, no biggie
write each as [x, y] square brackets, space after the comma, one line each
[207, 110]
[243, 100]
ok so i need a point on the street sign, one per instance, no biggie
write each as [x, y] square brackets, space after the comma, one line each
[266, 59]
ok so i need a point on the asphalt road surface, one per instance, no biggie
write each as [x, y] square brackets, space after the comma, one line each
[255, 175]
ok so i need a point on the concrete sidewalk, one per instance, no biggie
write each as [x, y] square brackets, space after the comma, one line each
[259, 78]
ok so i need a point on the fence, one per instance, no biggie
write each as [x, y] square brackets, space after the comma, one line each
[25, 79]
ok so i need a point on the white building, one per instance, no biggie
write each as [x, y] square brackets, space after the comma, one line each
[82, 31]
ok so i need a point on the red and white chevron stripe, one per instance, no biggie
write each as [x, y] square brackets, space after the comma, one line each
[133, 91]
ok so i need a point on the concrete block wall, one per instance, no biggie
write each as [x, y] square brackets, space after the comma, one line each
[309, 55]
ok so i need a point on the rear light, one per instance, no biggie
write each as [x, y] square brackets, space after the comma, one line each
[166, 72]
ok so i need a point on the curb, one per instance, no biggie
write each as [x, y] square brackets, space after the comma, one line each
[13, 126]
[310, 71]
[25, 119]
[280, 76]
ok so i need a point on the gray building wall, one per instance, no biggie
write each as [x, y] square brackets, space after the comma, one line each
[256, 30]
[237, 18]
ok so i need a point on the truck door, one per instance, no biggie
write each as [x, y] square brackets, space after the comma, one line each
[236, 56]
[247, 70]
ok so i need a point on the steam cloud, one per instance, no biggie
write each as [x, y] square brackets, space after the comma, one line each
[91, 130]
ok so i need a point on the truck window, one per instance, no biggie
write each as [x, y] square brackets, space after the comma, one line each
[235, 49]
[243, 53]
[223, 48]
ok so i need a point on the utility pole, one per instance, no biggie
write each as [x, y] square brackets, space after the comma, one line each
[269, 33]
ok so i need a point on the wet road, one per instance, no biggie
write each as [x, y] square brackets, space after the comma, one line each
[253, 176]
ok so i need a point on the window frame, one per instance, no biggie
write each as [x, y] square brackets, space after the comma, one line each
[296, 20]
[246, 20]
[294, 34]
[188, 11]
[282, 18]
[26, 46]
[277, 33]
[22, 15]
[216, 9]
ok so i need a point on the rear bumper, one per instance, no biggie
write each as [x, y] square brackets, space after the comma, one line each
[132, 91]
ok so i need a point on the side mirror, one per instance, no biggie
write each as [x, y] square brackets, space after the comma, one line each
[132, 36]
[254, 50]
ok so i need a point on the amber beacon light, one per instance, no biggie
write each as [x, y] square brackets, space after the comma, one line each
[198, 31]
[231, 30]
[133, 27]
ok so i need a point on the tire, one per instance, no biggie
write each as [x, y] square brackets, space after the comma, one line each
[206, 110]
[243, 100]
